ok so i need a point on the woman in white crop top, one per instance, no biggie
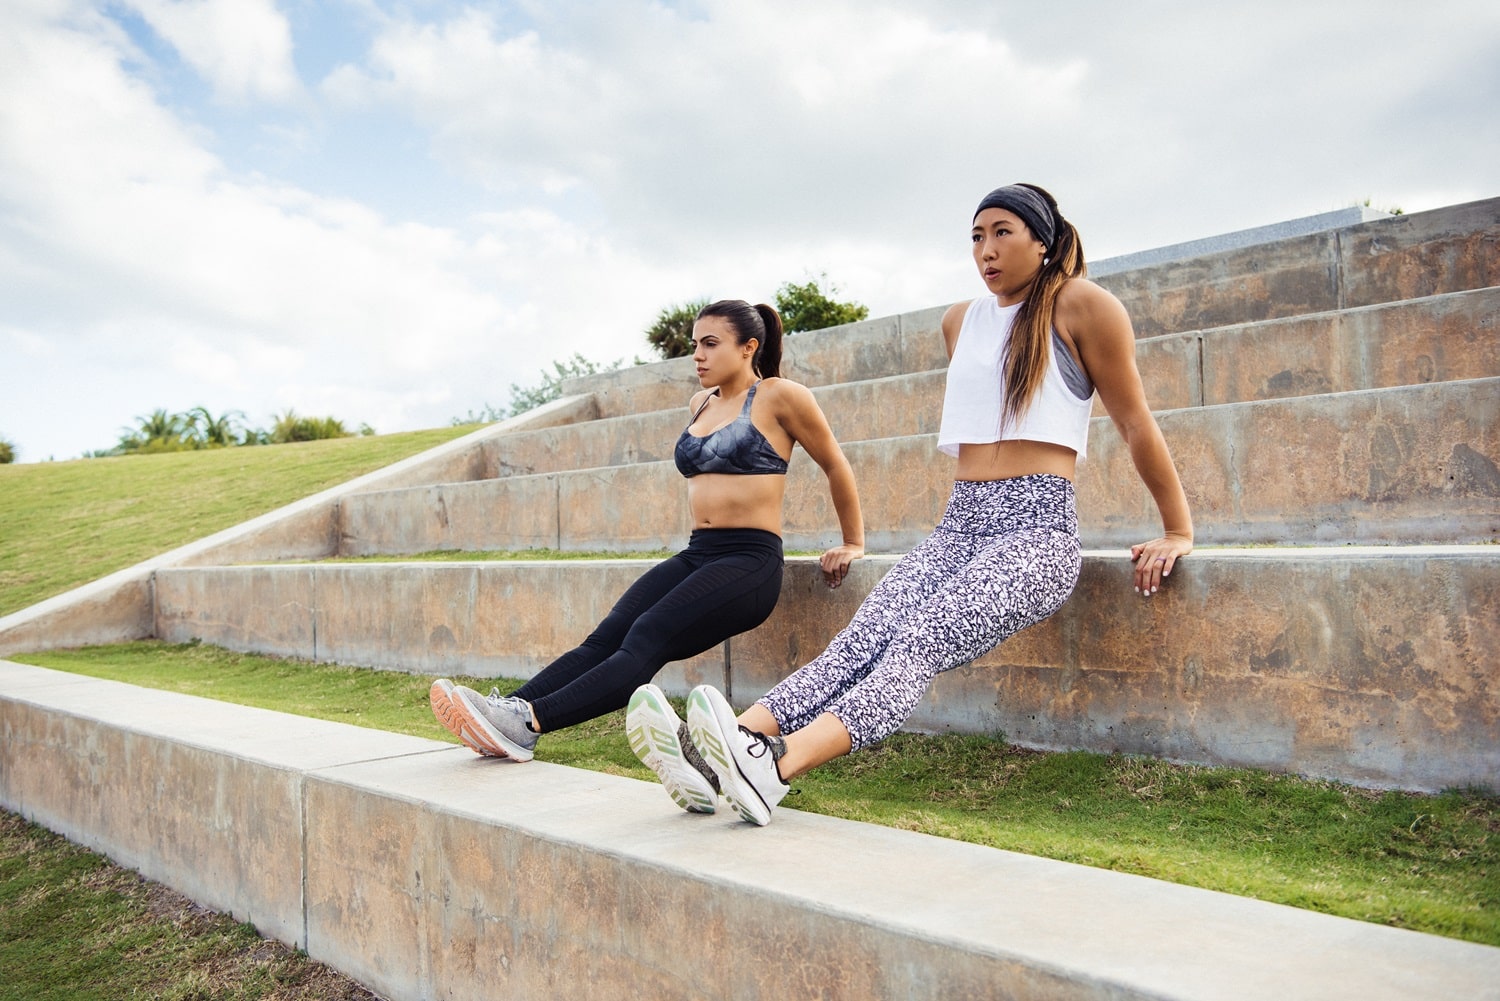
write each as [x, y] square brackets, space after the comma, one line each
[1024, 363]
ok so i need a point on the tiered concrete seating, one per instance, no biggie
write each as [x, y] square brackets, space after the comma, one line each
[1340, 389]
[1331, 401]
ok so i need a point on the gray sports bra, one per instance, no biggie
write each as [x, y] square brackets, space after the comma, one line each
[737, 447]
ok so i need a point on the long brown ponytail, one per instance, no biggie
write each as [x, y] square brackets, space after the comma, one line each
[1028, 351]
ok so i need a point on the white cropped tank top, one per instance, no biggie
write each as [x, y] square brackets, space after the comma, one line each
[974, 397]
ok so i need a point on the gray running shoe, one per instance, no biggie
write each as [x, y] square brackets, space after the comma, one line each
[492, 725]
[660, 739]
[744, 760]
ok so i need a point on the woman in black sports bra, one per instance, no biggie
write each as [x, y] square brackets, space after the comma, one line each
[734, 453]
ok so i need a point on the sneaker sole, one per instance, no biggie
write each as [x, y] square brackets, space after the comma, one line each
[710, 719]
[468, 726]
[651, 727]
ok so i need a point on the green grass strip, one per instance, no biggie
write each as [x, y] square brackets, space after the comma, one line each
[75, 927]
[63, 524]
[1430, 863]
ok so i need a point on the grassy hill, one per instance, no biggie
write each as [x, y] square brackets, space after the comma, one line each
[63, 524]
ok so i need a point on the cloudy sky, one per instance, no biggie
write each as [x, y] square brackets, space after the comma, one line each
[391, 210]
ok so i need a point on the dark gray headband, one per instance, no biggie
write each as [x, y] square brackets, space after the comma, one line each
[1031, 207]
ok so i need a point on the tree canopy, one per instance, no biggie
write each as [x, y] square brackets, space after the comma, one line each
[807, 307]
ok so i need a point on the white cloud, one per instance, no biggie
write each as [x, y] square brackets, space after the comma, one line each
[242, 47]
[757, 118]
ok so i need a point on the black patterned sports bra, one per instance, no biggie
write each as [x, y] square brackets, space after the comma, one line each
[737, 447]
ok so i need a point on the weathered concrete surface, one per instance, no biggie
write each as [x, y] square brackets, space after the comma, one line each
[425, 872]
[1425, 253]
[118, 607]
[1371, 665]
[113, 609]
[203, 796]
[1445, 338]
[461, 516]
[1403, 257]
[1411, 464]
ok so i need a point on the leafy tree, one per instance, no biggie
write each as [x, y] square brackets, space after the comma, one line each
[524, 398]
[672, 333]
[486, 414]
[807, 307]
[7, 451]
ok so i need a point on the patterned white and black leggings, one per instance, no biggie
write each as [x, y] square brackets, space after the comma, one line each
[1005, 556]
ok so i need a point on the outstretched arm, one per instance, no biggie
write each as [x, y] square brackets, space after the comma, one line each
[804, 420]
[1100, 328]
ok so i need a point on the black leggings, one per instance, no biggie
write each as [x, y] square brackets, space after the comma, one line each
[725, 582]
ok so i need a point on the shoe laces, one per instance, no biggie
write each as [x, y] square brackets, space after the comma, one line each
[761, 744]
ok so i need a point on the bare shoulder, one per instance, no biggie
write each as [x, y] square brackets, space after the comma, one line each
[953, 322]
[1082, 293]
[1084, 308]
[781, 392]
[953, 316]
[696, 400]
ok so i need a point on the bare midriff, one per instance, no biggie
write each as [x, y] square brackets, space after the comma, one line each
[731, 500]
[1004, 460]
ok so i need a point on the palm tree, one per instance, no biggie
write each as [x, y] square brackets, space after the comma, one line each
[158, 431]
[211, 431]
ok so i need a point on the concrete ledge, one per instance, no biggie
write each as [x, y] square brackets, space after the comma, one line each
[1401, 257]
[1373, 666]
[487, 619]
[424, 872]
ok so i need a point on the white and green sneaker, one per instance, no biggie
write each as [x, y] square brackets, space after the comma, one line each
[660, 739]
[744, 760]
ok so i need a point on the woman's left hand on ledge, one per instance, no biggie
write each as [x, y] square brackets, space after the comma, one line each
[835, 563]
[1154, 560]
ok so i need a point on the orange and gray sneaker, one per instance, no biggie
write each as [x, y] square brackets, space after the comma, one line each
[492, 725]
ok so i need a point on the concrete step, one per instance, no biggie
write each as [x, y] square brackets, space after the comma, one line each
[1373, 665]
[1403, 257]
[1436, 339]
[1413, 464]
[423, 872]
[1440, 338]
